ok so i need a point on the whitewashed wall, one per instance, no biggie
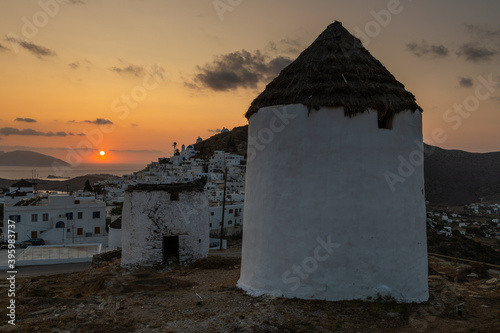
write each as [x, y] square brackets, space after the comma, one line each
[321, 221]
[148, 216]
[115, 238]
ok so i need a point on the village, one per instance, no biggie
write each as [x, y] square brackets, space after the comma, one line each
[91, 215]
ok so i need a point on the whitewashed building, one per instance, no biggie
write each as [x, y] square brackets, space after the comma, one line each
[330, 213]
[58, 219]
[164, 224]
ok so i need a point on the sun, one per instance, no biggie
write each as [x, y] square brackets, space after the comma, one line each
[102, 153]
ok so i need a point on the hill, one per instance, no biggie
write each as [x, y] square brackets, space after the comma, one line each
[72, 184]
[452, 177]
[29, 159]
[456, 177]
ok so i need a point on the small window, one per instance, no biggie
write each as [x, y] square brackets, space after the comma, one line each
[230, 222]
[212, 213]
[97, 230]
[210, 225]
[230, 211]
[80, 215]
[96, 215]
[69, 216]
[34, 218]
[60, 225]
[45, 217]
[385, 120]
[34, 234]
[79, 231]
[15, 218]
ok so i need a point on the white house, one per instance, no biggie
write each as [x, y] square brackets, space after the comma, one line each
[164, 224]
[233, 218]
[332, 210]
[58, 219]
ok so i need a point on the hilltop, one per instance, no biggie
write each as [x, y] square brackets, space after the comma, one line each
[452, 177]
[29, 159]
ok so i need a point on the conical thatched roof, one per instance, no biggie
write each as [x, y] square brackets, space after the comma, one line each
[337, 71]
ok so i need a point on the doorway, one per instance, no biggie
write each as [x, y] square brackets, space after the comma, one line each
[170, 249]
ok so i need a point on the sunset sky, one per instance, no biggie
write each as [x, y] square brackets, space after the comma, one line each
[131, 77]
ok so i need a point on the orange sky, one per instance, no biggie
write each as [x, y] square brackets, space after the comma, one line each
[131, 77]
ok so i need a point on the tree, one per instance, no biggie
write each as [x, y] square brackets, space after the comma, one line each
[177, 153]
[87, 187]
[174, 145]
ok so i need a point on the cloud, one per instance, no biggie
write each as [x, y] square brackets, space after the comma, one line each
[134, 125]
[39, 51]
[27, 120]
[76, 2]
[425, 49]
[465, 82]
[3, 48]
[483, 30]
[476, 53]
[99, 121]
[240, 69]
[137, 71]
[6, 131]
[218, 130]
[74, 65]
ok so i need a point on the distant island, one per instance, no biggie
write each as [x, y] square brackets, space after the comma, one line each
[27, 158]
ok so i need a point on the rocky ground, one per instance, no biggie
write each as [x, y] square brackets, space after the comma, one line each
[203, 298]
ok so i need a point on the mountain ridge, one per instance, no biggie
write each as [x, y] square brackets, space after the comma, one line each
[29, 159]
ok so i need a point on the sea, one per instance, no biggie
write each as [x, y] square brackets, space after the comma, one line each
[64, 173]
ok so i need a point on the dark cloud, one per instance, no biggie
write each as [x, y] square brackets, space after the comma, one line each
[39, 51]
[476, 53]
[240, 69]
[137, 71]
[99, 121]
[27, 120]
[3, 48]
[6, 131]
[425, 49]
[465, 82]
[483, 30]
[74, 65]
[80, 134]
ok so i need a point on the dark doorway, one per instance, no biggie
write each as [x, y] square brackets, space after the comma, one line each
[170, 249]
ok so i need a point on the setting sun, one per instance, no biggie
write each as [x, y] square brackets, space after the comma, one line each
[102, 153]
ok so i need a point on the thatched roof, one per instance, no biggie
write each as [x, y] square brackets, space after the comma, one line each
[337, 71]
